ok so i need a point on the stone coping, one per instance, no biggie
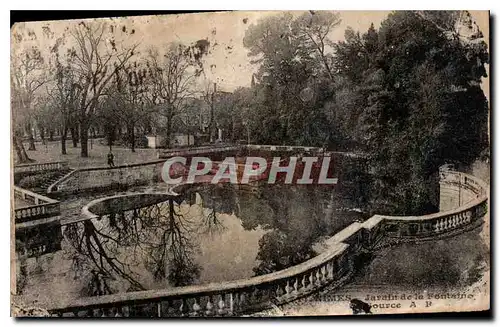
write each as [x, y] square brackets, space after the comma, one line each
[336, 245]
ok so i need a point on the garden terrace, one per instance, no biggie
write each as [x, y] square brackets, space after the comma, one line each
[334, 266]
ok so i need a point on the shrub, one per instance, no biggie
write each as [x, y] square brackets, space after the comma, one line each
[37, 180]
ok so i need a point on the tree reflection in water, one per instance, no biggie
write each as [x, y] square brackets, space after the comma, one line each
[156, 238]
[163, 239]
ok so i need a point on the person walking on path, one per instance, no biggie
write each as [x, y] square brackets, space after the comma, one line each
[111, 157]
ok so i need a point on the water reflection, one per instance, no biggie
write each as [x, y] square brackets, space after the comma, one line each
[211, 233]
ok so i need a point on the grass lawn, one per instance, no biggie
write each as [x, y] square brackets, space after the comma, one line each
[97, 154]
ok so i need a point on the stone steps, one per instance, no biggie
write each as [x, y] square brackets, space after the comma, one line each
[42, 189]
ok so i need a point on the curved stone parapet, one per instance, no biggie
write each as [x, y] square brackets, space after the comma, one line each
[332, 267]
[99, 178]
[443, 223]
[93, 179]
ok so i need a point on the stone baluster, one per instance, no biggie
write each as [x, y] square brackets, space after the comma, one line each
[183, 308]
[209, 308]
[467, 217]
[279, 291]
[326, 272]
[295, 290]
[319, 277]
[304, 282]
[311, 280]
[439, 225]
[288, 289]
[233, 298]
[158, 310]
[221, 305]
[196, 308]
[329, 268]
[115, 312]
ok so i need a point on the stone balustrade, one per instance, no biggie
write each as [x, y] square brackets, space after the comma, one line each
[38, 228]
[42, 206]
[100, 178]
[165, 154]
[221, 148]
[40, 167]
[432, 225]
[220, 299]
[334, 266]
[284, 148]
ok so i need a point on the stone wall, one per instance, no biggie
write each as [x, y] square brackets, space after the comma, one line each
[94, 179]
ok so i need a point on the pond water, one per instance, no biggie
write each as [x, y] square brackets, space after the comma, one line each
[213, 233]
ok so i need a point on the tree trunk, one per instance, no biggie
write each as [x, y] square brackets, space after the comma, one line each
[22, 156]
[211, 126]
[74, 135]
[84, 137]
[51, 134]
[110, 131]
[131, 134]
[63, 140]
[169, 130]
[31, 138]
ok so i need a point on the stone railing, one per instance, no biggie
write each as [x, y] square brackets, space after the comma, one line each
[221, 299]
[103, 178]
[283, 148]
[41, 206]
[165, 154]
[221, 148]
[334, 266]
[99, 178]
[40, 167]
[410, 228]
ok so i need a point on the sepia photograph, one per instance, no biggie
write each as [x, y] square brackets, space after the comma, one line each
[250, 164]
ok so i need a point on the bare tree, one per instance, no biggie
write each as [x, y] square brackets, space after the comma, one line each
[63, 95]
[96, 60]
[27, 76]
[128, 98]
[172, 75]
[209, 96]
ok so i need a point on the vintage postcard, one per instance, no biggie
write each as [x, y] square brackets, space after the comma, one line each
[251, 164]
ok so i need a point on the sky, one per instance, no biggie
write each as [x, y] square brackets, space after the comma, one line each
[228, 64]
